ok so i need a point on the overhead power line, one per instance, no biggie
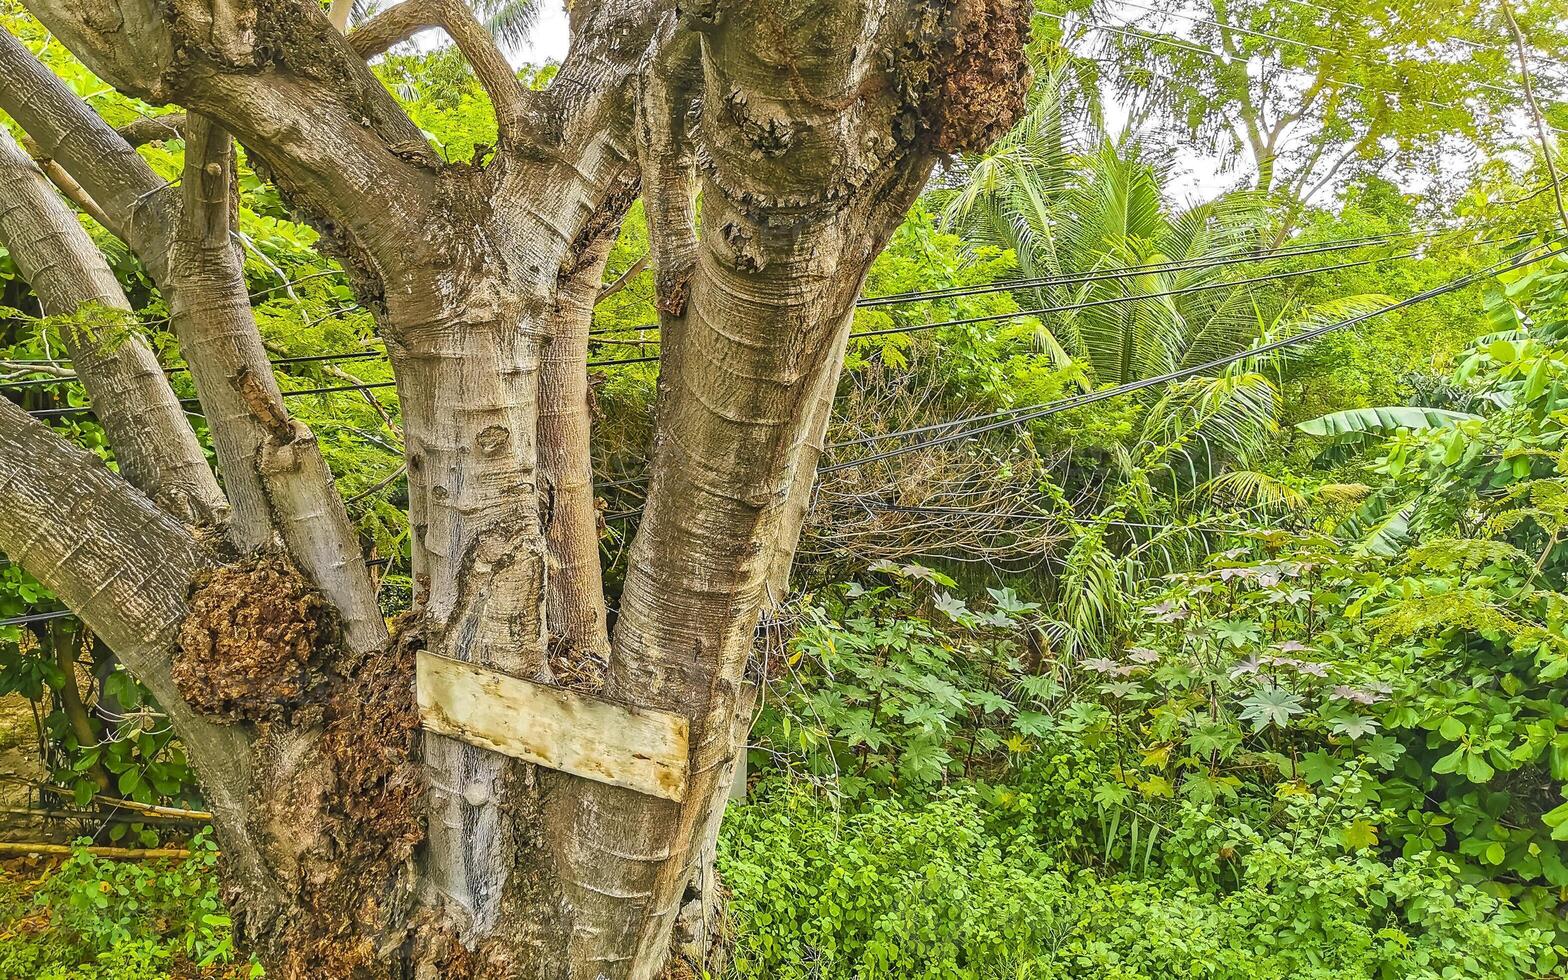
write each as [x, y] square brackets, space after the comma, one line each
[1131, 272]
[54, 413]
[1074, 307]
[362, 355]
[1199, 263]
[1028, 413]
[884, 331]
[36, 617]
[1131, 297]
[43, 617]
[1018, 416]
[1196, 263]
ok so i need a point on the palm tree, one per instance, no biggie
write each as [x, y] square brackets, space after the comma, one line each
[508, 21]
[1064, 213]
[1068, 199]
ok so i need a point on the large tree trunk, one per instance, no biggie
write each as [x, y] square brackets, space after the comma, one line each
[363, 848]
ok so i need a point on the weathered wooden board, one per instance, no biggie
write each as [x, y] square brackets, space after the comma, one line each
[637, 748]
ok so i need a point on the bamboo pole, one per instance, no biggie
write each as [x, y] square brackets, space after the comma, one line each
[13, 849]
[93, 816]
[161, 811]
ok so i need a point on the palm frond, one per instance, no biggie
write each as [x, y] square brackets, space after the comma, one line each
[1251, 488]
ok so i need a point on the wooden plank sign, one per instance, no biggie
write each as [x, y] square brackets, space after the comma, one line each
[637, 748]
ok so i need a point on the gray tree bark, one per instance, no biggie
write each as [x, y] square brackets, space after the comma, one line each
[143, 418]
[579, 637]
[273, 474]
[808, 126]
[125, 567]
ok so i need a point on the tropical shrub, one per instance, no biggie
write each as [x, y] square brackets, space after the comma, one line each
[94, 918]
[940, 890]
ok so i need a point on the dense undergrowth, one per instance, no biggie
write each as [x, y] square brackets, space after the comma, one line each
[91, 918]
[1334, 748]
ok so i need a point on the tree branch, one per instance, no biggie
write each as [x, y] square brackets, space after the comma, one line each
[66, 184]
[129, 198]
[146, 425]
[323, 126]
[624, 279]
[272, 464]
[1535, 110]
[403, 21]
[153, 129]
[125, 568]
[666, 106]
[113, 558]
[575, 603]
[338, 12]
[393, 26]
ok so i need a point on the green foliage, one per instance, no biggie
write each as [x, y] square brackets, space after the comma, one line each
[98, 919]
[876, 697]
[124, 747]
[1305, 92]
[1333, 746]
[1358, 422]
[440, 94]
[1336, 747]
[947, 889]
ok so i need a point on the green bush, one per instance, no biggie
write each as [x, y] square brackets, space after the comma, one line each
[944, 891]
[892, 891]
[120, 920]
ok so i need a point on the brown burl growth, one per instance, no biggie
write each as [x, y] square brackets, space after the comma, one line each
[349, 865]
[984, 87]
[255, 640]
[260, 645]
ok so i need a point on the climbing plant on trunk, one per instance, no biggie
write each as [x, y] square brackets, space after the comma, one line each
[355, 844]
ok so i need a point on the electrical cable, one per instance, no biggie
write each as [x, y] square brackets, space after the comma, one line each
[1029, 413]
[1073, 307]
[1114, 300]
[36, 617]
[1195, 264]
[52, 413]
[1129, 272]
[1032, 413]
[910, 328]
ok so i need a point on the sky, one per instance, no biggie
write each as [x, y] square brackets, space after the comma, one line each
[548, 40]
